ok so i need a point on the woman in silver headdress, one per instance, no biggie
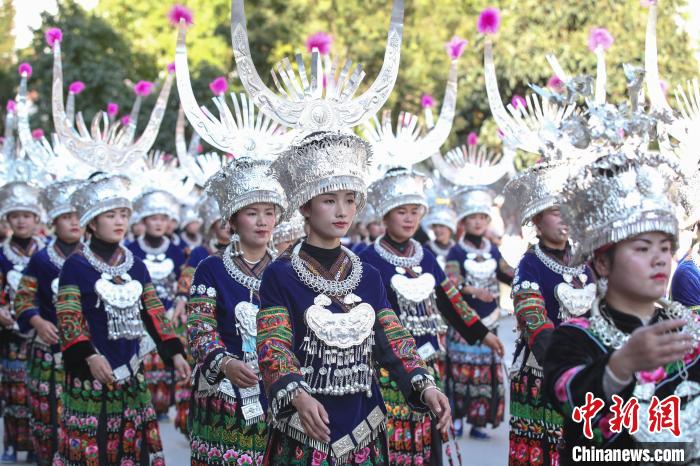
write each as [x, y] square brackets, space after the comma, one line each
[109, 319]
[19, 205]
[35, 308]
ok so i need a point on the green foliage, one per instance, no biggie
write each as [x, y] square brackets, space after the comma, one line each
[133, 40]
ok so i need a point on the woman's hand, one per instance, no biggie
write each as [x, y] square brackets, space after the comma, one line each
[239, 373]
[493, 342]
[100, 368]
[180, 312]
[440, 406]
[6, 319]
[46, 330]
[313, 417]
[182, 368]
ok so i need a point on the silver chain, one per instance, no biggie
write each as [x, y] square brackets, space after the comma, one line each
[151, 250]
[54, 256]
[400, 261]
[556, 267]
[252, 283]
[12, 256]
[321, 285]
[112, 270]
[468, 248]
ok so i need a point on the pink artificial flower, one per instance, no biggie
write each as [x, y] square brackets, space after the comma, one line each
[321, 41]
[171, 67]
[664, 86]
[654, 376]
[518, 101]
[647, 3]
[125, 120]
[555, 84]
[219, 85]
[180, 13]
[200, 148]
[112, 109]
[76, 87]
[489, 21]
[427, 101]
[25, 68]
[472, 139]
[11, 106]
[143, 88]
[53, 35]
[455, 47]
[599, 37]
[38, 133]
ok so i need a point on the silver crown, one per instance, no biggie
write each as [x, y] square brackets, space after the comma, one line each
[245, 181]
[56, 197]
[440, 212]
[621, 195]
[399, 186]
[474, 165]
[99, 194]
[154, 202]
[411, 142]
[19, 196]
[683, 126]
[536, 189]
[188, 214]
[471, 200]
[208, 210]
[290, 231]
[107, 147]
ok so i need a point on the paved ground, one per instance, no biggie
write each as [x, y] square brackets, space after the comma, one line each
[493, 452]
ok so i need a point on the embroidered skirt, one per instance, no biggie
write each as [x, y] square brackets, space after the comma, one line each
[219, 436]
[535, 427]
[160, 382]
[474, 382]
[283, 450]
[183, 388]
[45, 384]
[13, 390]
[108, 425]
[412, 438]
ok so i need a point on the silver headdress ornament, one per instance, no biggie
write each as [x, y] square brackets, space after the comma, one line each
[99, 194]
[160, 169]
[154, 202]
[474, 164]
[188, 214]
[18, 196]
[683, 126]
[208, 210]
[290, 231]
[322, 108]
[198, 167]
[410, 143]
[470, 200]
[440, 206]
[107, 147]
[56, 197]
[242, 182]
[398, 186]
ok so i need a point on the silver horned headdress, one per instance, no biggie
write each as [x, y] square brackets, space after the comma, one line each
[18, 196]
[105, 146]
[474, 164]
[245, 181]
[56, 198]
[399, 186]
[100, 194]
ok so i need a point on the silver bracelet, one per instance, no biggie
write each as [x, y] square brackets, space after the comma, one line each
[422, 394]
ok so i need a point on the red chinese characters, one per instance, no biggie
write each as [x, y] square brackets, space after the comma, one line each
[587, 412]
[665, 414]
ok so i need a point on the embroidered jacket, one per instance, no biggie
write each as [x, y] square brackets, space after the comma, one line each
[196, 256]
[165, 286]
[575, 365]
[449, 302]
[83, 321]
[293, 357]
[685, 285]
[11, 274]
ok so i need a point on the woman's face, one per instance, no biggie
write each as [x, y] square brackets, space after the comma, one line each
[476, 224]
[22, 223]
[254, 224]
[551, 227]
[156, 225]
[638, 268]
[193, 227]
[67, 227]
[442, 234]
[402, 221]
[111, 226]
[329, 215]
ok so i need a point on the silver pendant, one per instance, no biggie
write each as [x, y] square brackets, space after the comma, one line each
[246, 315]
[13, 279]
[159, 269]
[341, 330]
[414, 289]
[575, 301]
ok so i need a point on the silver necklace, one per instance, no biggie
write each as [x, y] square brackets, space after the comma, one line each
[111, 270]
[567, 272]
[252, 283]
[319, 284]
[439, 249]
[400, 261]
[469, 249]
[55, 258]
[151, 250]
[19, 261]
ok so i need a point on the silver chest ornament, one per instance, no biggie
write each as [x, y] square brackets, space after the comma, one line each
[575, 302]
[122, 303]
[480, 271]
[54, 289]
[14, 276]
[416, 299]
[338, 347]
[159, 266]
[246, 318]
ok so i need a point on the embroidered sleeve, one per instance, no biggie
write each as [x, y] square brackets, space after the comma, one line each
[454, 272]
[185, 281]
[530, 311]
[458, 313]
[203, 338]
[72, 326]
[26, 302]
[279, 366]
[157, 325]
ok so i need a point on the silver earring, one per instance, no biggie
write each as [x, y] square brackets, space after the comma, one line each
[602, 286]
[236, 243]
